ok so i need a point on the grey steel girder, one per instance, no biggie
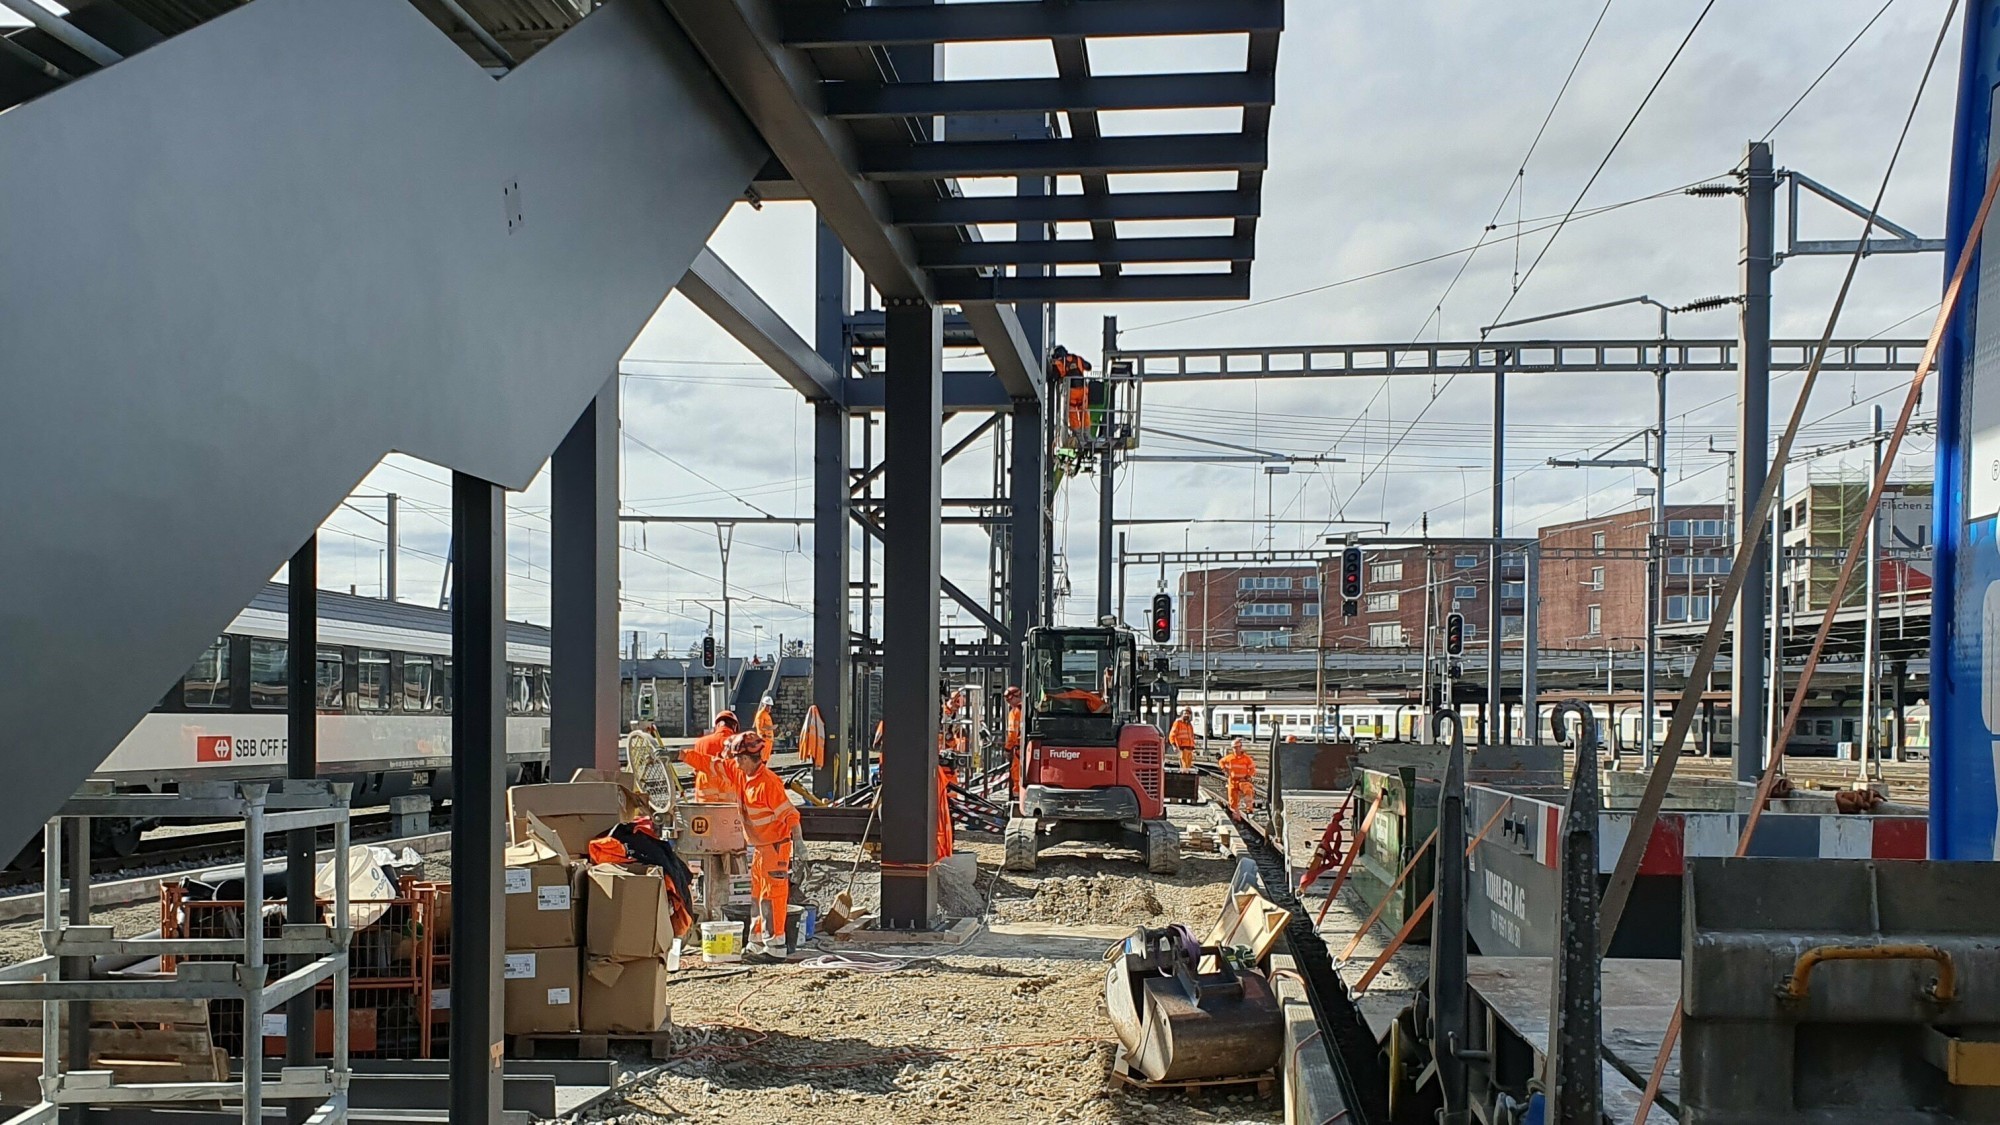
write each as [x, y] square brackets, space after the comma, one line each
[729, 301]
[779, 89]
[307, 234]
[1373, 361]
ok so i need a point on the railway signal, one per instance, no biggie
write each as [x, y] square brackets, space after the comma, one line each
[708, 652]
[1350, 581]
[1163, 618]
[1454, 634]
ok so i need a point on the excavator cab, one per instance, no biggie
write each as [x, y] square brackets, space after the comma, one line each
[1091, 769]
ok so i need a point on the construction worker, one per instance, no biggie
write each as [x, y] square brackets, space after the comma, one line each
[771, 822]
[1070, 369]
[706, 757]
[763, 723]
[1181, 737]
[1013, 697]
[1242, 774]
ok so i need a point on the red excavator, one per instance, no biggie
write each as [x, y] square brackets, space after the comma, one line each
[1091, 770]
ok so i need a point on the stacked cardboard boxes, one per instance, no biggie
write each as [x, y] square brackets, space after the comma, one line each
[628, 931]
[542, 925]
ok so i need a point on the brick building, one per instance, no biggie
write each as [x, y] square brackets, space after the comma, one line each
[1294, 606]
[1593, 575]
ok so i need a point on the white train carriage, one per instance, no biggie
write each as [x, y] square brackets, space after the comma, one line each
[383, 693]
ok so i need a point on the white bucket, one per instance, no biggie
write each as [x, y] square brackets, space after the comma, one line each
[721, 942]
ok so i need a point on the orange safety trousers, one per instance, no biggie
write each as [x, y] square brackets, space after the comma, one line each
[771, 887]
[944, 843]
[1241, 795]
[1079, 407]
[1187, 757]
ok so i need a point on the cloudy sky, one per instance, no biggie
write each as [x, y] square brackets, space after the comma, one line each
[1398, 135]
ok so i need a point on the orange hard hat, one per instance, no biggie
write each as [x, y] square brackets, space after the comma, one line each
[749, 742]
[726, 719]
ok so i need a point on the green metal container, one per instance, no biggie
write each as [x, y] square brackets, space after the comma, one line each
[1408, 817]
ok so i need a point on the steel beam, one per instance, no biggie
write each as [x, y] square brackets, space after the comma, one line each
[583, 592]
[1086, 251]
[1048, 95]
[1753, 458]
[1540, 357]
[301, 763]
[736, 308]
[1142, 287]
[1027, 487]
[831, 510]
[914, 422]
[814, 26]
[1014, 363]
[964, 391]
[1186, 152]
[946, 586]
[478, 792]
[1129, 205]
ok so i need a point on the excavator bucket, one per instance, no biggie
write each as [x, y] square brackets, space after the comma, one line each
[1180, 1025]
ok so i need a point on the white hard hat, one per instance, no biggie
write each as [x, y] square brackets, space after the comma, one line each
[767, 701]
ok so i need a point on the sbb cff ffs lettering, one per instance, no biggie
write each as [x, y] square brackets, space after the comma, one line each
[1454, 634]
[1163, 618]
[708, 652]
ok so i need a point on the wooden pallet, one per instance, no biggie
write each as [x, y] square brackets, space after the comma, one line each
[1263, 1085]
[587, 1044]
[138, 1041]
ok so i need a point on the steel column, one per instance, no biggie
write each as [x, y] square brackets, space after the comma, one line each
[302, 763]
[478, 791]
[1027, 488]
[583, 592]
[1496, 722]
[1531, 650]
[390, 539]
[1106, 488]
[832, 499]
[1871, 644]
[1655, 549]
[1753, 457]
[912, 489]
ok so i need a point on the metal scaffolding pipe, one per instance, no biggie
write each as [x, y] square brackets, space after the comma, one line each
[67, 33]
[485, 37]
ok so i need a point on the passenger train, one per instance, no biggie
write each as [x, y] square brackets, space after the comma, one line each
[382, 676]
[1821, 729]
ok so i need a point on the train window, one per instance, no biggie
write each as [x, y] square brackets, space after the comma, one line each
[371, 692]
[541, 689]
[518, 698]
[267, 674]
[328, 674]
[442, 685]
[418, 675]
[206, 684]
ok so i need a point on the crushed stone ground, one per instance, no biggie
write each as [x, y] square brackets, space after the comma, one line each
[1007, 1029]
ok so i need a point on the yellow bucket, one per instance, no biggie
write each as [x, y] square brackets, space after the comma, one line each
[721, 942]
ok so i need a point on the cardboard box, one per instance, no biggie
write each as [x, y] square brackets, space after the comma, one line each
[625, 995]
[626, 911]
[539, 988]
[576, 811]
[542, 903]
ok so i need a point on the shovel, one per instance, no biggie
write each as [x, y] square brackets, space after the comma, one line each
[842, 911]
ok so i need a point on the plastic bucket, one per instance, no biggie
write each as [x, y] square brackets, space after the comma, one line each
[721, 942]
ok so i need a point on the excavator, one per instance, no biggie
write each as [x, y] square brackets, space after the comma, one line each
[1091, 769]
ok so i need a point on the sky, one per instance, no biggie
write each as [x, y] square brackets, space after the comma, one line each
[1399, 134]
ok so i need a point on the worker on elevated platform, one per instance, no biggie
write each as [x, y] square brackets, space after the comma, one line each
[1070, 369]
[763, 723]
[1242, 775]
[1013, 696]
[1181, 737]
[706, 757]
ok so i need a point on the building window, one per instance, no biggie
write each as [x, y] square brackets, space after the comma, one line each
[1309, 609]
[1596, 621]
[1464, 593]
[1385, 636]
[1513, 591]
[1698, 564]
[206, 684]
[1266, 609]
[419, 683]
[1386, 572]
[1680, 607]
[1385, 602]
[1263, 582]
[1464, 562]
[1596, 578]
[1597, 541]
[1309, 582]
[1264, 638]
[267, 675]
[371, 685]
[1697, 529]
[1510, 628]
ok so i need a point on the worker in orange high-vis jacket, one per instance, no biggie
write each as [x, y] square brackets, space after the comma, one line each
[1013, 697]
[947, 777]
[1181, 738]
[1242, 774]
[707, 759]
[1070, 370]
[771, 822]
[763, 723]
